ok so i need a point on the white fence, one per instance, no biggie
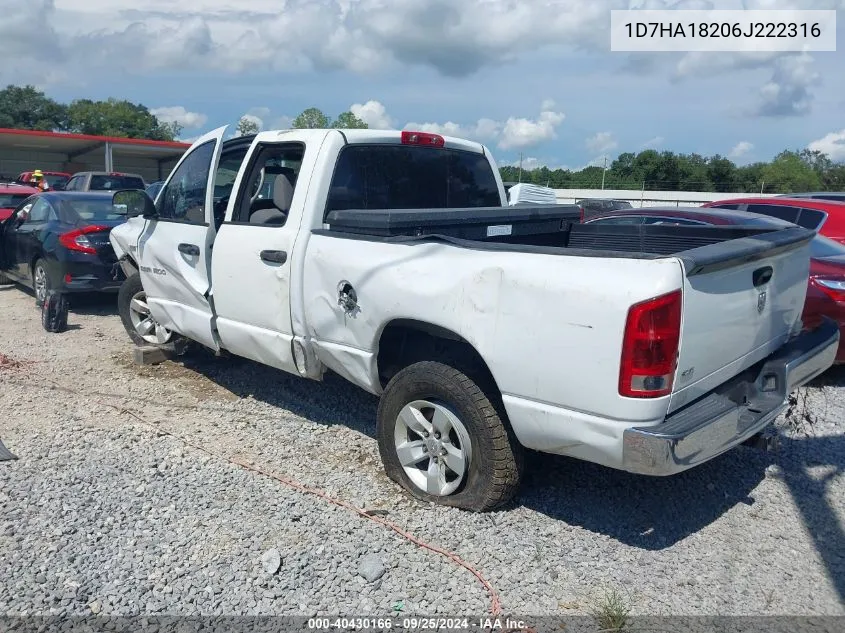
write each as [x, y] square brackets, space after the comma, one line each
[651, 198]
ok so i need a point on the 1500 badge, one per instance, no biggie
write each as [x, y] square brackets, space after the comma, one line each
[155, 271]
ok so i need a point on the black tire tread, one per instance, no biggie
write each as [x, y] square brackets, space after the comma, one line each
[128, 289]
[502, 474]
[54, 312]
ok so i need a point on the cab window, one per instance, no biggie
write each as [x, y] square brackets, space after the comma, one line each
[183, 197]
[267, 194]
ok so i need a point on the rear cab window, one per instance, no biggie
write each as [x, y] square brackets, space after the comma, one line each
[411, 177]
[806, 218]
[11, 200]
[112, 183]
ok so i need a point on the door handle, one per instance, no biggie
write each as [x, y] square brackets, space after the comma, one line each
[762, 276]
[275, 257]
[189, 249]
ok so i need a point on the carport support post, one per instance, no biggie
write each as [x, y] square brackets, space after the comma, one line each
[109, 161]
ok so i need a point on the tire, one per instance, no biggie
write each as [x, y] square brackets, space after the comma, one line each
[447, 397]
[54, 311]
[41, 281]
[136, 318]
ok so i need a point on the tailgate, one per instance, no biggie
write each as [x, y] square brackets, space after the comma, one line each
[741, 300]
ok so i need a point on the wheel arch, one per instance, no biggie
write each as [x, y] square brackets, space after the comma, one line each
[403, 342]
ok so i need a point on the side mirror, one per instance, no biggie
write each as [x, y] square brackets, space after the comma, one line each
[135, 202]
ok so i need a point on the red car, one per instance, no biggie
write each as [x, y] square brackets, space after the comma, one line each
[56, 179]
[826, 288]
[825, 216]
[11, 196]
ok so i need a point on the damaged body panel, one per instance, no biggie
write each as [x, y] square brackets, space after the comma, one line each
[394, 260]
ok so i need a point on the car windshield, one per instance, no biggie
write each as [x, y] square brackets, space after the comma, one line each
[112, 183]
[91, 210]
[821, 247]
[11, 200]
[55, 179]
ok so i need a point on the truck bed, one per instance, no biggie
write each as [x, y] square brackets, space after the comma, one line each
[557, 230]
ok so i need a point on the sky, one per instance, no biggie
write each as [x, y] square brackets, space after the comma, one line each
[534, 79]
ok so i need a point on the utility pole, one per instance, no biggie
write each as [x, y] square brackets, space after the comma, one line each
[604, 171]
[520, 167]
[762, 186]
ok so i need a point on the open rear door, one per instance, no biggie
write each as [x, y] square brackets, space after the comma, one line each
[174, 250]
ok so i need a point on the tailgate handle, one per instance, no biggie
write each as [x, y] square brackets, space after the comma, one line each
[189, 249]
[276, 257]
[762, 276]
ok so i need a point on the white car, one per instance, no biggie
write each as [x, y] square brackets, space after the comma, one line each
[393, 259]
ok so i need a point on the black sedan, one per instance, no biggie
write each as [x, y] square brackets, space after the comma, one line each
[59, 240]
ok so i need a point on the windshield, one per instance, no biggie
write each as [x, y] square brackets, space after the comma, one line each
[55, 179]
[821, 247]
[90, 210]
[112, 183]
[11, 200]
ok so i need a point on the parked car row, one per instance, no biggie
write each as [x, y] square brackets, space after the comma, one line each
[644, 343]
[82, 180]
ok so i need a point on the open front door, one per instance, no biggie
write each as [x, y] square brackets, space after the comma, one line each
[174, 250]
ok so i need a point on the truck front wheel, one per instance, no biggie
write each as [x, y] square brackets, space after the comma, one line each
[135, 315]
[441, 438]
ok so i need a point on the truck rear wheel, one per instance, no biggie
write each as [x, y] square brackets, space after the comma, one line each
[135, 315]
[441, 438]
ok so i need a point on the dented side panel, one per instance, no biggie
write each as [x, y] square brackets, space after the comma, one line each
[548, 326]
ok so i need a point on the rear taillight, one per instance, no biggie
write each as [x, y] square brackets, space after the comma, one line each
[832, 287]
[650, 347]
[422, 138]
[78, 241]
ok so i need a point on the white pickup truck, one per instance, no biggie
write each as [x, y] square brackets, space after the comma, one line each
[392, 259]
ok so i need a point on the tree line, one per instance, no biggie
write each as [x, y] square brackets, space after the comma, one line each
[789, 172]
[25, 107]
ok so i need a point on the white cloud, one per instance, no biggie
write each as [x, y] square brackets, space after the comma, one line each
[740, 149]
[832, 144]
[601, 143]
[374, 114]
[178, 114]
[513, 133]
[788, 91]
[651, 143]
[454, 38]
[521, 133]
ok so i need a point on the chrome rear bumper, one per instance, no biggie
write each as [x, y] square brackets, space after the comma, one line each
[734, 411]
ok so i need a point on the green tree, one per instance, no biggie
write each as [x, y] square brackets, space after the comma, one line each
[348, 121]
[789, 173]
[118, 118]
[246, 126]
[26, 108]
[310, 119]
[722, 173]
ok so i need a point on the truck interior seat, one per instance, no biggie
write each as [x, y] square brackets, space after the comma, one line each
[281, 201]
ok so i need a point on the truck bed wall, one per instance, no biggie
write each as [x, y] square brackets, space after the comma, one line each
[548, 326]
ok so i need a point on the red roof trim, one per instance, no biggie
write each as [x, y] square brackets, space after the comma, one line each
[101, 139]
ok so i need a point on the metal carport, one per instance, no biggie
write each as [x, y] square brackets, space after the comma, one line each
[26, 150]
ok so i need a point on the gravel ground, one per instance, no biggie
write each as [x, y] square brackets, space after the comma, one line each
[102, 513]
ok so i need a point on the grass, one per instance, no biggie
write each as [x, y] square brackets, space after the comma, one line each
[611, 611]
